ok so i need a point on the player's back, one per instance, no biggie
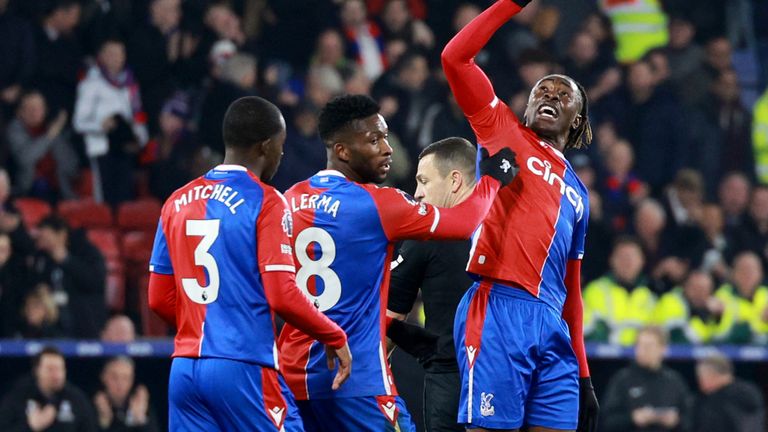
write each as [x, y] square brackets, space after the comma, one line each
[342, 260]
[208, 233]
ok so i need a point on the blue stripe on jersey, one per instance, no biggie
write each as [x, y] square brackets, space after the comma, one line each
[360, 247]
[238, 325]
[552, 289]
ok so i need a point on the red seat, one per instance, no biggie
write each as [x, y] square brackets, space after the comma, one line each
[85, 213]
[115, 286]
[139, 215]
[32, 210]
[137, 247]
[106, 241]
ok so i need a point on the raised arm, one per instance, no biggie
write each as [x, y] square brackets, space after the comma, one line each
[471, 87]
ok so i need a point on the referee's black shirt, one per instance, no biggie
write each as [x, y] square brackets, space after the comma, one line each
[438, 268]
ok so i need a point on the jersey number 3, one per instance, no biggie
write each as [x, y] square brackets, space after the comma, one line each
[319, 267]
[209, 231]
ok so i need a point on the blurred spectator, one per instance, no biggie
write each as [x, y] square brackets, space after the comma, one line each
[75, 271]
[39, 315]
[365, 43]
[238, 79]
[303, 152]
[647, 396]
[718, 244]
[599, 232]
[323, 84]
[46, 401]
[692, 314]
[751, 234]
[119, 328]
[717, 59]
[649, 222]
[599, 76]
[17, 56]
[727, 403]
[356, 82]
[109, 114]
[684, 54]
[443, 119]
[747, 297]
[638, 27]
[684, 198]
[650, 120]
[733, 194]
[760, 135]
[598, 26]
[720, 133]
[621, 189]
[39, 148]
[398, 23]
[13, 286]
[59, 54]
[122, 405]
[171, 154]
[410, 91]
[329, 51]
[619, 303]
[152, 51]
[10, 220]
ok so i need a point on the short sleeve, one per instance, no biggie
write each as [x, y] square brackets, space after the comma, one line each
[274, 228]
[160, 262]
[407, 275]
[580, 232]
[402, 217]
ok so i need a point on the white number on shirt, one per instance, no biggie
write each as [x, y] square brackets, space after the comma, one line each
[319, 268]
[209, 231]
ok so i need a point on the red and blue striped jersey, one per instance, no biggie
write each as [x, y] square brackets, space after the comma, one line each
[343, 244]
[536, 224]
[216, 236]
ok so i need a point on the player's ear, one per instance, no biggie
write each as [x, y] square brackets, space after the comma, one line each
[457, 179]
[576, 121]
[341, 151]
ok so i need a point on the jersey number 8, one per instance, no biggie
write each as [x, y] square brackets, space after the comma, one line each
[319, 267]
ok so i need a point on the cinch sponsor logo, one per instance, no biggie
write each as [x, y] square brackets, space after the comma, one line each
[543, 169]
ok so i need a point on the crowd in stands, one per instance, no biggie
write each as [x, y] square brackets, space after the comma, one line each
[108, 103]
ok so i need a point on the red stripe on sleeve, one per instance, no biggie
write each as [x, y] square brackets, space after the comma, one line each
[162, 297]
[573, 313]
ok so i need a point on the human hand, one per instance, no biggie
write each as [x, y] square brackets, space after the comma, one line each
[642, 417]
[138, 405]
[345, 363]
[103, 409]
[40, 418]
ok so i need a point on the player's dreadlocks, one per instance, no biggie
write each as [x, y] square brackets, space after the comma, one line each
[581, 136]
[341, 111]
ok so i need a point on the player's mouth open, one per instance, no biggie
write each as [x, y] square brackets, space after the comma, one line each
[385, 165]
[548, 111]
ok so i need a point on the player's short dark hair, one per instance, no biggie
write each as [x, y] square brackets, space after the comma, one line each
[339, 113]
[452, 153]
[251, 120]
[47, 350]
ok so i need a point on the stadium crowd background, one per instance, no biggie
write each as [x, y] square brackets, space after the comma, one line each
[108, 106]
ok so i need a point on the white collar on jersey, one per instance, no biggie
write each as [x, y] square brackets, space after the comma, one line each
[224, 167]
[330, 172]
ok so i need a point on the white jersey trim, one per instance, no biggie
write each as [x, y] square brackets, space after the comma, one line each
[384, 375]
[280, 267]
[230, 167]
[436, 221]
[330, 172]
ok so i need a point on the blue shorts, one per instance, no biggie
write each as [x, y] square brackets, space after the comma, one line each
[516, 362]
[227, 395]
[356, 414]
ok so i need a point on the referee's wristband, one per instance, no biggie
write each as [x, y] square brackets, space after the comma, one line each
[521, 3]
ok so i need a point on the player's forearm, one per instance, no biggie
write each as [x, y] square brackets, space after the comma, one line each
[458, 223]
[573, 314]
[470, 86]
[162, 297]
[287, 301]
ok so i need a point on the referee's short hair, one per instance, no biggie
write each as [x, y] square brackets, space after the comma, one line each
[452, 153]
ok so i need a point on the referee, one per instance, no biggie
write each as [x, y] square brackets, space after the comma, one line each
[445, 177]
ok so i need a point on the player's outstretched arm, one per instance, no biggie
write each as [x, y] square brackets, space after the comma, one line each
[285, 298]
[470, 85]
[162, 296]
[573, 313]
